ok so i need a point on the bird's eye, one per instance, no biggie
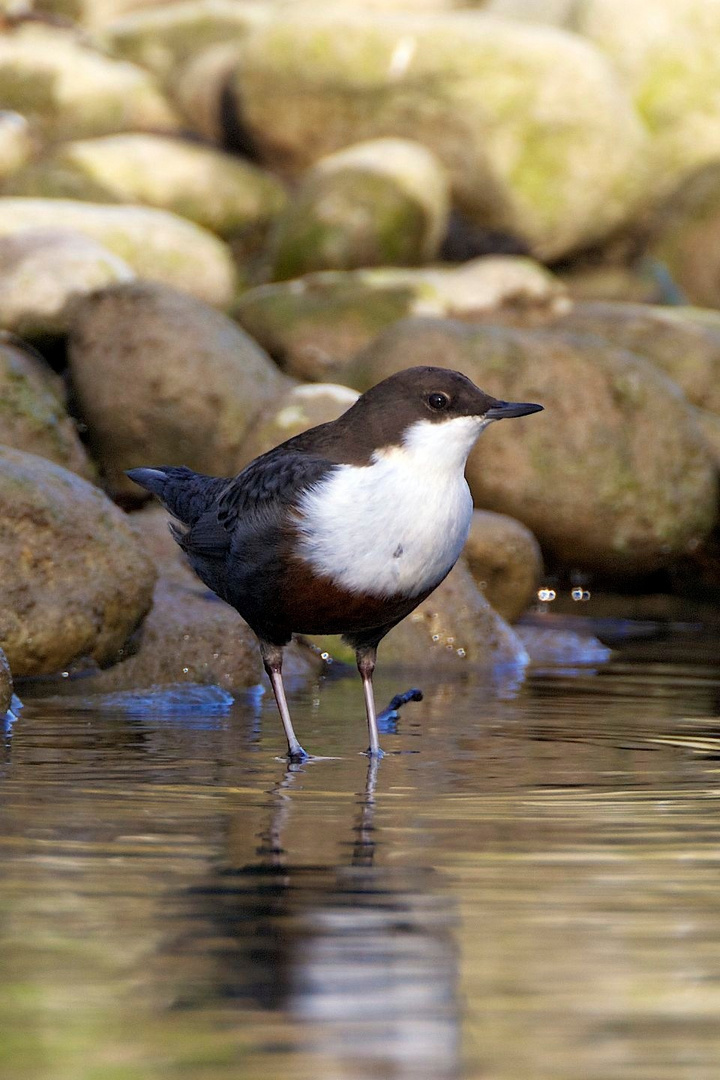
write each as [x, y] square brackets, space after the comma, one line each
[438, 401]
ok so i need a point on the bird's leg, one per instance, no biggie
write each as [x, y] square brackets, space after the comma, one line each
[272, 656]
[366, 655]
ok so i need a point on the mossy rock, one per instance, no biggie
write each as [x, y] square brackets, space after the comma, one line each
[521, 116]
[75, 581]
[614, 476]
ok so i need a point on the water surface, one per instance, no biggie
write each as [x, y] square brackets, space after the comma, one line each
[527, 886]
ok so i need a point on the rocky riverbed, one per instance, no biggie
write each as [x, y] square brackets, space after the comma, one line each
[220, 220]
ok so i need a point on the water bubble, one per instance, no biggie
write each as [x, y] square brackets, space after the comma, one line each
[546, 595]
[580, 594]
[461, 652]
[436, 637]
[185, 670]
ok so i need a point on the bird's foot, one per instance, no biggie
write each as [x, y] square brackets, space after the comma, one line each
[374, 755]
[296, 755]
[388, 717]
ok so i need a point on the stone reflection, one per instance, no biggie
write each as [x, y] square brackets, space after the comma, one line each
[359, 958]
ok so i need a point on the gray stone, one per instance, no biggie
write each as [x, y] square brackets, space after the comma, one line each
[6, 685]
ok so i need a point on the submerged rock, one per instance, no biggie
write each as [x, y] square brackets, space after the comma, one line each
[222, 193]
[68, 90]
[75, 580]
[377, 203]
[174, 700]
[163, 379]
[6, 685]
[155, 244]
[315, 324]
[614, 476]
[549, 647]
[32, 409]
[43, 271]
[520, 115]
[505, 560]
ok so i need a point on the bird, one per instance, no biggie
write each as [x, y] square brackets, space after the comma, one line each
[343, 529]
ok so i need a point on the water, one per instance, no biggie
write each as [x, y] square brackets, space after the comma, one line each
[527, 886]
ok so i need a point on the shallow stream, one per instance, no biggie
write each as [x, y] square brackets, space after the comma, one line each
[527, 886]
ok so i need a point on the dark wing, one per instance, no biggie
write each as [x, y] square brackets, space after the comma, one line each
[255, 501]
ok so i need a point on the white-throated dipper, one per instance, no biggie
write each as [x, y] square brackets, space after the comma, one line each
[343, 529]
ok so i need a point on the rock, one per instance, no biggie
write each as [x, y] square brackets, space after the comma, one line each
[6, 685]
[43, 271]
[644, 282]
[300, 408]
[615, 476]
[379, 203]
[68, 90]
[315, 324]
[666, 52]
[222, 193]
[454, 628]
[549, 647]
[32, 409]
[685, 237]
[91, 13]
[505, 560]
[16, 143]
[521, 116]
[155, 244]
[202, 89]
[190, 635]
[163, 37]
[709, 424]
[163, 379]
[553, 12]
[683, 341]
[76, 582]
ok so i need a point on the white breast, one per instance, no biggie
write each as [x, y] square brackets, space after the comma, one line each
[399, 524]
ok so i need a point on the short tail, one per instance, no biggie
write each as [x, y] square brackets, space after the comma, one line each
[186, 494]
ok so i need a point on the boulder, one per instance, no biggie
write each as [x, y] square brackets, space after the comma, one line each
[75, 581]
[190, 636]
[68, 90]
[163, 37]
[16, 143]
[163, 379]
[32, 409]
[377, 203]
[314, 325]
[6, 685]
[709, 424]
[202, 89]
[685, 237]
[505, 560]
[155, 244]
[453, 629]
[92, 13]
[683, 341]
[43, 271]
[299, 408]
[667, 54]
[532, 123]
[614, 476]
[222, 193]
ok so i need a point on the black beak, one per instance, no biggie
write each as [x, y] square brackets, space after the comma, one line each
[503, 410]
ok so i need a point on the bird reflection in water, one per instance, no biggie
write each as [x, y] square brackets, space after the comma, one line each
[359, 959]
